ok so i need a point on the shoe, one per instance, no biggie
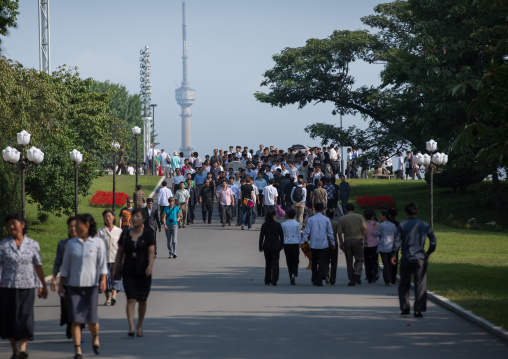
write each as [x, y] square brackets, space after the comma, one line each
[242, 228]
[14, 356]
[192, 222]
[131, 335]
[229, 224]
[351, 283]
[113, 301]
[139, 335]
[358, 281]
[107, 303]
[319, 284]
[251, 229]
[174, 255]
[22, 355]
[179, 226]
[327, 279]
[275, 284]
[183, 226]
[209, 222]
[238, 224]
[418, 315]
[404, 312]
[96, 348]
[254, 222]
[267, 283]
[76, 356]
[204, 220]
[332, 282]
[388, 284]
[292, 279]
[223, 225]
[370, 282]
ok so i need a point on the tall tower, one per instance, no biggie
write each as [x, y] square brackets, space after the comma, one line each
[185, 95]
[44, 65]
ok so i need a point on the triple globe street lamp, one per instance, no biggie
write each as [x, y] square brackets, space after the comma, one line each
[116, 147]
[16, 160]
[77, 158]
[136, 131]
[434, 164]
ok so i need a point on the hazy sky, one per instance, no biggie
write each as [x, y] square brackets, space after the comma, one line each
[230, 44]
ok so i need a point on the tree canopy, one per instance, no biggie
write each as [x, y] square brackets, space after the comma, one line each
[8, 15]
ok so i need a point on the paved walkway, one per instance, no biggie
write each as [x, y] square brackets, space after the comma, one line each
[211, 302]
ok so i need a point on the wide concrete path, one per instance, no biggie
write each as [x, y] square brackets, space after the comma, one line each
[211, 302]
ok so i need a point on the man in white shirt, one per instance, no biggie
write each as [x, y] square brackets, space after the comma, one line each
[400, 169]
[164, 163]
[163, 197]
[177, 179]
[292, 241]
[130, 169]
[319, 229]
[333, 153]
[270, 197]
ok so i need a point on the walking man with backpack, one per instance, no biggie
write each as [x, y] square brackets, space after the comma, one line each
[298, 197]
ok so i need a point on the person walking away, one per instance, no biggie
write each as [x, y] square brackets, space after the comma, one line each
[260, 183]
[225, 200]
[110, 234]
[333, 253]
[298, 197]
[152, 221]
[320, 195]
[125, 215]
[411, 237]
[344, 193]
[370, 246]
[171, 217]
[21, 272]
[352, 229]
[319, 230]
[182, 201]
[193, 201]
[330, 194]
[292, 242]
[392, 214]
[247, 202]
[165, 161]
[271, 242]
[400, 170]
[269, 197]
[386, 231]
[163, 197]
[137, 247]
[121, 161]
[83, 277]
[206, 201]
[139, 197]
[288, 203]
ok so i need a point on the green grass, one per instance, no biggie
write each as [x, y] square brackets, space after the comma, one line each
[55, 228]
[469, 267]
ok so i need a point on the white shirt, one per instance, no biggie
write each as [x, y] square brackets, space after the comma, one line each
[270, 193]
[400, 161]
[269, 174]
[349, 156]
[333, 155]
[163, 197]
[130, 170]
[164, 159]
[256, 193]
[111, 241]
[292, 232]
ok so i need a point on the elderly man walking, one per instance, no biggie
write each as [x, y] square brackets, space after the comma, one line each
[319, 229]
[411, 237]
[352, 228]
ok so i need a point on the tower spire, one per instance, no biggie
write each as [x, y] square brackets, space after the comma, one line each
[185, 95]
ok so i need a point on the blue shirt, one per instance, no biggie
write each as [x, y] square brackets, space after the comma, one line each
[260, 184]
[199, 179]
[292, 232]
[171, 215]
[411, 236]
[319, 229]
[386, 232]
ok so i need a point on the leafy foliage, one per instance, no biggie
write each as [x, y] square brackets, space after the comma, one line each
[8, 14]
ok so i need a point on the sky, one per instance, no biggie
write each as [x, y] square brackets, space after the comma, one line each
[230, 44]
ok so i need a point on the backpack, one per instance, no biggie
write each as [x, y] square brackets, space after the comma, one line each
[298, 194]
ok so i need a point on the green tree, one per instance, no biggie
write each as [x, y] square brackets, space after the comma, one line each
[8, 15]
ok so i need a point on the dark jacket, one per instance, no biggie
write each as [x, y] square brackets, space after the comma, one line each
[271, 237]
[152, 222]
[193, 198]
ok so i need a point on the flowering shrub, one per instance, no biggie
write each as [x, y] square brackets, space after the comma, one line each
[105, 199]
[375, 202]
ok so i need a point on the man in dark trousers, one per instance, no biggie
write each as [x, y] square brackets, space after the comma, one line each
[344, 193]
[121, 161]
[411, 236]
[152, 220]
[193, 200]
[206, 200]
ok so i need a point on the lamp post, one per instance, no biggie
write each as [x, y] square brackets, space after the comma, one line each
[431, 163]
[18, 164]
[154, 105]
[76, 157]
[116, 146]
[136, 131]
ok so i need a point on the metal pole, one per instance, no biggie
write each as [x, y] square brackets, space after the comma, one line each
[114, 180]
[153, 135]
[431, 196]
[76, 166]
[137, 166]
[22, 166]
[341, 151]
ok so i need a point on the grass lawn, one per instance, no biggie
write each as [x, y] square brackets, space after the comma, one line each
[469, 267]
[55, 228]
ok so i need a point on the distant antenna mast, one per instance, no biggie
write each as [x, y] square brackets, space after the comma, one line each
[44, 64]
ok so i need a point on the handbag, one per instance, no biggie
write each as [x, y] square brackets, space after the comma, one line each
[248, 203]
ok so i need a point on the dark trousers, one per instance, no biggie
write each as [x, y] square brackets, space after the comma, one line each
[272, 266]
[269, 208]
[389, 270]
[121, 166]
[418, 269]
[261, 211]
[343, 202]
[353, 249]
[225, 214]
[371, 263]
[319, 265]
[207, 208]
[191, 214]
[292, 252]
[333, 256]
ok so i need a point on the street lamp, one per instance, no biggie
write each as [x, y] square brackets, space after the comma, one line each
[431, 163]
[115, 146]
[154, 105]
[18, 164]
[136, 131]
[76, 157]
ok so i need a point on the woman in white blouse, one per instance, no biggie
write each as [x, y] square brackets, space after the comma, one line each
[292, 241]
[83, 273]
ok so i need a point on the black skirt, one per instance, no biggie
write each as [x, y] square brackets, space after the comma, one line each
[137, 287]
[16, 313]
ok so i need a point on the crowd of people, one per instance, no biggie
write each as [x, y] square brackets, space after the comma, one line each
[299, 186]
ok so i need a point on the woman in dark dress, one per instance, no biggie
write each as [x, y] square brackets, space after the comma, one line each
[271, 240]
[137, 248]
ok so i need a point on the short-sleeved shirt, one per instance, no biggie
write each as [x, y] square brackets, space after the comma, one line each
[17, 264]
[320, 195]
[247, 190]
[125, 215]
[352, 226]
[181, 197]
[270, 194]
[171, 215]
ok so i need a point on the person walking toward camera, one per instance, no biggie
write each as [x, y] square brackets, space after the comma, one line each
[411, 237]
[171, 217]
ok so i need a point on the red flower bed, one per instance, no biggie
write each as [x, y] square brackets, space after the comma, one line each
[105, 199]
[375, 202]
